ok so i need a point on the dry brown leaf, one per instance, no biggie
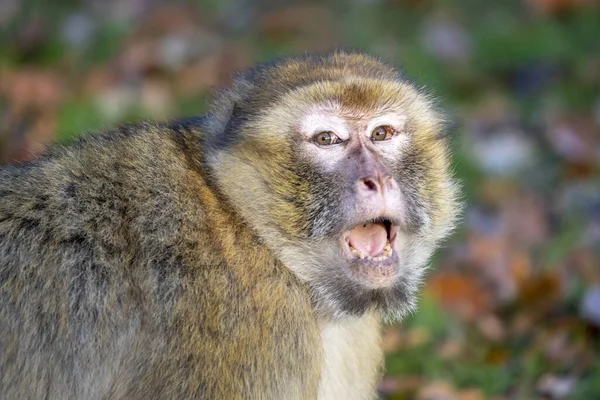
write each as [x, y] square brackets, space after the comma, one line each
[400, 385]
[471, 394]
[461, 295]
[170, 17]
[199, 76]
[522, 323]
[451, 349]
[556, 7]
[34, 97]
[526, 217]
[157, 98]
[97, 80]
[438, 390]
[497, 191]
[418, 336]
[28, 138]
[34, 88]
[410, 383]
[520, 267]
[539, 294]
[389, 385]
[491, 327]
[392, 339]
[305, 26]
[137, 57]
[584, 262]
[497, 356]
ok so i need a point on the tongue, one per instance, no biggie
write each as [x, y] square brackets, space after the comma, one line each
[370, 239]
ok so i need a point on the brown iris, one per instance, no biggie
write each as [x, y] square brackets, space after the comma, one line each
[326, 138]
[383, 132]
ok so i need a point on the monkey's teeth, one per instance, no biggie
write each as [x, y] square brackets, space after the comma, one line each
[387, 253]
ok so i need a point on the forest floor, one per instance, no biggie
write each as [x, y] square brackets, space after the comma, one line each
[511, 307]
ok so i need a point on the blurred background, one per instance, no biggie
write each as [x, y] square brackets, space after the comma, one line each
[511, 309]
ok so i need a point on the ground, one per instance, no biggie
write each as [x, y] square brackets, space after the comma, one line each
[511, 308]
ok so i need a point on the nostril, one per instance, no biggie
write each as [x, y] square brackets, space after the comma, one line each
[369, 184]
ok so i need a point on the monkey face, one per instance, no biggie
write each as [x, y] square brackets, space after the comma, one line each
[345, 176]
[347, 148]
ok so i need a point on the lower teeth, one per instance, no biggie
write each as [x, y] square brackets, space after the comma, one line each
[387, 253]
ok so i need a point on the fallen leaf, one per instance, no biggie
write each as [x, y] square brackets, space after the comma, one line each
[418, 336]
[497, 356]
[555, 7]
[392, 339]
[438, 390]
[471, 394]
[539, 294]
[451, 349]
[459, 294]
[491, 327]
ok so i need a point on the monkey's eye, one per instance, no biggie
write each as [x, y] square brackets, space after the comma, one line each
[383, 132]
[326, 138]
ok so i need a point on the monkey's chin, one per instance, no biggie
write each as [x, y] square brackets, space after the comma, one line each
[376, 274]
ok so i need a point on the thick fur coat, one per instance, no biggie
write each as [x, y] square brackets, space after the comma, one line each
[179, 260]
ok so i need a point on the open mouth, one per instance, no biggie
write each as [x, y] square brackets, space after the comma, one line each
[373, 240]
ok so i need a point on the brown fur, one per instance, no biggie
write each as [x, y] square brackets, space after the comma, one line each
[177, 260]
[124, 275]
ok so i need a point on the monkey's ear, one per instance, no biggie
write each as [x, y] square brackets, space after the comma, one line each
[229, 135]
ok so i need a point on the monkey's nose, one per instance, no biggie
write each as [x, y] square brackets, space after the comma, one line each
[379, 184]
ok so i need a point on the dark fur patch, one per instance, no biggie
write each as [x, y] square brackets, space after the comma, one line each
[232, 133]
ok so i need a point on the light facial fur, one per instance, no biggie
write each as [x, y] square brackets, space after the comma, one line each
[304, 222]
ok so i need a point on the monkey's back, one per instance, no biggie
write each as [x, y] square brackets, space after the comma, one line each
[125, 274]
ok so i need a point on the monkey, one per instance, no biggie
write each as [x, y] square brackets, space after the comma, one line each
[250, 253]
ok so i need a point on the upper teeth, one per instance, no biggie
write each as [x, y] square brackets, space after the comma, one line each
[387, 253]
